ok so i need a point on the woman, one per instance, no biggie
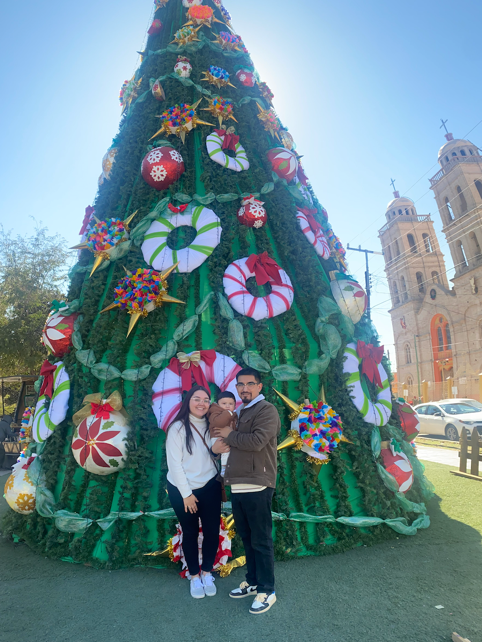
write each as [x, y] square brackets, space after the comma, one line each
[193, 489]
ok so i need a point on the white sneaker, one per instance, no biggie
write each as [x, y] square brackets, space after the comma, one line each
[262, 603]
[244, 590]
[208, 583]
[197, 588]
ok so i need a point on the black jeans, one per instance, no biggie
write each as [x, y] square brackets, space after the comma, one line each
[209, 510]
[252, 520]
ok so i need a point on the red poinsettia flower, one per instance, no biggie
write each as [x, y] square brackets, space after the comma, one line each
[90, 442]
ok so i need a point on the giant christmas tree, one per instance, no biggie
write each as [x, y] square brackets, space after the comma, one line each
[206, 250]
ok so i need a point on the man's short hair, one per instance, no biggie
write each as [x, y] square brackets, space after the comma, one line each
[226, 395]
[249, 372]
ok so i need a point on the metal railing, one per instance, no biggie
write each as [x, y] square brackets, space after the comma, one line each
[453, 162]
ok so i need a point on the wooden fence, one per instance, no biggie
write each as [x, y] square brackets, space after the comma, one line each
[470, 446]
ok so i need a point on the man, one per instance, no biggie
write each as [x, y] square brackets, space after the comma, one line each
[5, 431]
[251, 473]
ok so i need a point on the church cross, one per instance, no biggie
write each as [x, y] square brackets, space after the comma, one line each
[392, 183]
[443, 125]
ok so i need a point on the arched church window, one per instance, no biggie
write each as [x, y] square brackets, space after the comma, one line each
[411, 242]
[475, 243]
[435, 277]
[446, 159]
[448, 337]
[463, 258]
[478, 185]
[408, 353]
[454, 153]
[396, 297]
[449, 209]
[409, 381]
[411, 210]
[463, 202]
[471, 152]
[389, 254]
[400, 212]
[397, 249]
[404, 288]
[428, 245]
[440, 339]
[462, 152]
[420, 280]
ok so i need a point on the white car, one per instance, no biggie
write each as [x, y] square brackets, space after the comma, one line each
[448, 417]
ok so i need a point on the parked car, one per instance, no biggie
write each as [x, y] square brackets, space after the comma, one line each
[448, 417]
[471, 402]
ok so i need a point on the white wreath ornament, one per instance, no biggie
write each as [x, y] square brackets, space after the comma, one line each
[46, 421]
[161, 257]
[318, 241]
[279, 301]
[373, 413]
[214, 145]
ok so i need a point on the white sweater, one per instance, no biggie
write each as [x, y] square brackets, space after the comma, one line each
[188, 472]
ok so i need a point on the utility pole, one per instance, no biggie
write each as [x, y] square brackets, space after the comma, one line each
[367, 272]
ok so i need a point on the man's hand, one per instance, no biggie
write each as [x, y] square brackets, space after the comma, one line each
[222, 432]
[219, 447]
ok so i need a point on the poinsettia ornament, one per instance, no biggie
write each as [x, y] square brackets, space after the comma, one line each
[284, 162]
[161, 167]
[408, 419]
[99, 443]
[58, 329]
[252, 213]
[349, 295]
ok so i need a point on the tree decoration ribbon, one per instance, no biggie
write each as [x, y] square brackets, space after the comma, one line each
[265, 269]
[187, 366]
[178, 210]
[230, 139]
[312, 222]
[89, 211]
[371, 357]
[47, 372]
[99, 407]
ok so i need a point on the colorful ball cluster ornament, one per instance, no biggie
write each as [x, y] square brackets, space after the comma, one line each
[268, 96]
[185, 35]
[128, 92]
[53, 401]
[19, 489]
[266, 271]
[208, 235]
[104, 237]
[179, 120]
[221, 108]
[408, 419]
[246, 77]
[284, 162]
[219, 142]
[142, 292]
[217, 76]
[183, 67]
[396, 462]
[349, 295]
[99, 444]
[270, 121]
[252, 213]
[162, 167]
[200, 15]
[229, 41]
[337, 249]
[58, 329]
[25, 434]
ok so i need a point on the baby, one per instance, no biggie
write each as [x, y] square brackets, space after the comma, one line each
[221, 415]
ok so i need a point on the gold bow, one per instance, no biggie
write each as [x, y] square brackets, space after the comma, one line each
[187, 359]
[114, 400]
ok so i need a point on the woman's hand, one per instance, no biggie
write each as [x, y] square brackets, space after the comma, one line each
[190, 504]
[220, 447]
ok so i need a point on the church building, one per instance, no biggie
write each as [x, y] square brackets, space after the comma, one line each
[437, 322]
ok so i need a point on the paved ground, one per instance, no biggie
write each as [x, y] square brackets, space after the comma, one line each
[439, 455]
[387, 593]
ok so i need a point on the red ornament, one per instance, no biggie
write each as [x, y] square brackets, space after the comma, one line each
[246, 78]
[252, 213]
[398, 464]
[155, 27]
[161, 167]
[57, 333]
[284, 162]
[408, 419]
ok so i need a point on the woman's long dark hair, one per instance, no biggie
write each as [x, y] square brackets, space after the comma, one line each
[183, 415]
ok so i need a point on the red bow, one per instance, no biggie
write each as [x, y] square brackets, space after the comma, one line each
[87, 216]
[230, 140]
[177, 210]
[302, 177]
[312, 222]
[101, 410]
[264, 268]
[190, 373]
[27, 463]
[371, 356]
[47, 372]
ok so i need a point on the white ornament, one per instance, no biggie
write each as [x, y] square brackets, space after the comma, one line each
[208, 228]
[214, 145]
[318, 240]
[20, 490]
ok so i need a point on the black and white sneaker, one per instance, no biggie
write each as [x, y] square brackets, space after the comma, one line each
[243, 591]
[262, 603]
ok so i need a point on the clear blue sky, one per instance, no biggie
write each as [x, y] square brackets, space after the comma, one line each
[361, 85]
